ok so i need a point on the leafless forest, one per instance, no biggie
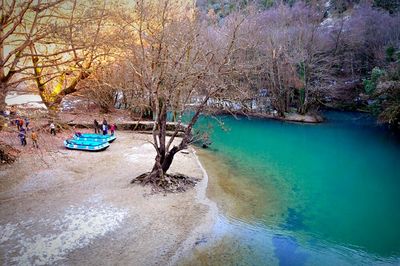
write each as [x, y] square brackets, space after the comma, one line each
[152, 58]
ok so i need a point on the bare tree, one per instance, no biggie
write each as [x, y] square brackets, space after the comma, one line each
[82, 39]
[21, 25]
[55, 44]
[295, 56]
[181, 63]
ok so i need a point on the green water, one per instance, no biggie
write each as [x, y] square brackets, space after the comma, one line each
[296, 194]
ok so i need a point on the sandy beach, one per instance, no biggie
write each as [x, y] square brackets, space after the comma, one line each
[73, 207]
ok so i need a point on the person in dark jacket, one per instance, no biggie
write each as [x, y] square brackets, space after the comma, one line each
[105, 127]
[22, 136]
[96, 127]
[26, 119]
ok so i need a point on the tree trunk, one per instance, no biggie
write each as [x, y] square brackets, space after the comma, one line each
[169, 157]
[165, 156]
[161, 166]
[40, 85]
[85, 73]
[156, 174]
[3, 94]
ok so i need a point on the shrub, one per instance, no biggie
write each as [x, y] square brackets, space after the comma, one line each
[370, 84]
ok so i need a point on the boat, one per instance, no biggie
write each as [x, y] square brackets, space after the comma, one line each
[95, 137]
[86, 145]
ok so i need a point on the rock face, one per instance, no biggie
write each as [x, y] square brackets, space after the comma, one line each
[303, 118]
[77, 103]
[8, 154]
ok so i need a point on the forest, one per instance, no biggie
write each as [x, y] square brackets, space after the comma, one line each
[301, 55]
[247, 57]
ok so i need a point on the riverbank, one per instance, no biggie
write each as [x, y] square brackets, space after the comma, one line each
[288, 117]
[80, 208]
[292, 117]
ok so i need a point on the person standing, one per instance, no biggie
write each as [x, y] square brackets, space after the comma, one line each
[112, 129]
[52, 129]
[96, 126]
[34, 137]
[19, 122]
[13, 111]
[22, 136]
[27, 123]
[105, 127]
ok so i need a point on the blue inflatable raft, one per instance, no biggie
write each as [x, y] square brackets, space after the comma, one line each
[86, 145]
[95, 137]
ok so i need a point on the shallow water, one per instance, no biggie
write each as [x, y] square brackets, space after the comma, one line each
[297, 194]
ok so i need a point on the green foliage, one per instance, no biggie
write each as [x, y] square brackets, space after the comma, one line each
[302, 95]
[390, 5]
[386, 101]
[267, 3]
[390, 52]
[301, 71]
[375, 108]
[370, 84]
[290, 2]
[376, 74]
[341, 6]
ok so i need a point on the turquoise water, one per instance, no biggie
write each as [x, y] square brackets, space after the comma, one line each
[326, 194]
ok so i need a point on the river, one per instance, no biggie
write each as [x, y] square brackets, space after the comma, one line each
[302, 194]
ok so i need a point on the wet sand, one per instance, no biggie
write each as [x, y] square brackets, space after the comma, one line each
[241, 203]
[236, 195]
[78, 207]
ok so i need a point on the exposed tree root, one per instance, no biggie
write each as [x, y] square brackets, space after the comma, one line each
[171, 183]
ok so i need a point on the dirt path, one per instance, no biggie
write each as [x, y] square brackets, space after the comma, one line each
[81, 209]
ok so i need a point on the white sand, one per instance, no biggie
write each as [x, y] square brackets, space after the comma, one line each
[82, 209]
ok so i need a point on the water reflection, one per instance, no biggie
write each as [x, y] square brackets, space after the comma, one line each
[287, 251]
[294, 220]
[294, 194]
[236, 242]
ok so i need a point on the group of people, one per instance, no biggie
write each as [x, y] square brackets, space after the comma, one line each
[22, 124]
[22, 131]
[22, 134]
[104, 127]
[19, 122]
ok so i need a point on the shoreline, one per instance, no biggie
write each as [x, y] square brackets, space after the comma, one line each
[203, 230]
[110, 220]
[289, 117]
